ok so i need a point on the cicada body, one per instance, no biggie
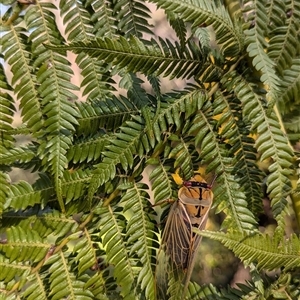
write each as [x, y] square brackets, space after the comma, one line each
[179, 243]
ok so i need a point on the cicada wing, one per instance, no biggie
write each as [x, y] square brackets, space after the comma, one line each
[178, 236]
[174, 254]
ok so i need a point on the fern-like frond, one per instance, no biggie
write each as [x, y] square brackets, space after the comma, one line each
[148, 116]
[10, 271]
[285, 285]
[159, 59]
[60, 112]
[203, 35]
[268, 253]
[132, 17]
[22, 195]
[45, 222]
[7, 110]
[77, 20]
[131, 141]
[35, 288]
[178, 25]
[55, 87]
[141, 235]
[196, 292]
[228, 34]
[176, 108]
[276, 14]
[135, 92]
[290, 87]
[283, 41]
[74, 184]
[86, 252]
[162, 185]
[96, 284]
[23, 154]
[88, 149]
[256, 48]
[4, 190]
[108, 114]
[102, 17]
[40, 19]
[24, 245]
[271, 142]
[96, 82]
[282, 47]
[17, 54]
[292, 121]
[250, 175]
[63, 279]
[137, 137]
[228, 196]
[234, 9]
[185, 157]
[260, 289]
[22, 129]
[156, 85]
[235, 132]
[38, 193]
[111, 227]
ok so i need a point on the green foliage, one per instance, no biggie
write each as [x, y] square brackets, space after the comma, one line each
[268, 252]
[104, 150]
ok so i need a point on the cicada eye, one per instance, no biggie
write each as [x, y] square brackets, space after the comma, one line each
[199, 183]
[203, 185]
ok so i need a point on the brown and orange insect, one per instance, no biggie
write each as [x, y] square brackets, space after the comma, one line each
[179, 242]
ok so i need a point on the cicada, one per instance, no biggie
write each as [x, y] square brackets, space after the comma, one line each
[179, 243]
